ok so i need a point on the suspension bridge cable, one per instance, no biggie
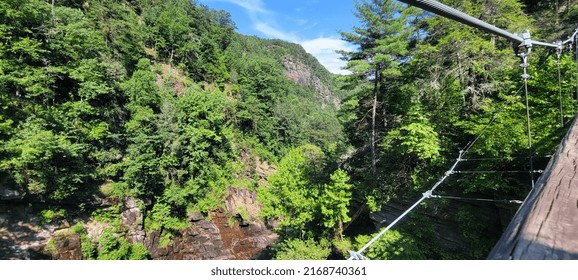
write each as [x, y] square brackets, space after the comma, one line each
[501, 158]
[514, 201]
[558, 54]
[496, 171]
[451, 13]
[502, 108]
[525, 77]
[357, 255]
[523, 39]
[482, 132]
[571, 38]
[425, 195]
[576, 52]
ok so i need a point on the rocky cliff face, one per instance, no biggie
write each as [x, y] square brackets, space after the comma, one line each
[213, 240]
[225, 235]
[302, 75]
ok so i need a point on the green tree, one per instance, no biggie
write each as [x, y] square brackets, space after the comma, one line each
[120, 29]
[292, 193]
[383, 42]
[335, 202]
[141, 88]
[189, 36]
[46, 164]
[23, 50]
[113, 247]
[297, 249]
[393, 245]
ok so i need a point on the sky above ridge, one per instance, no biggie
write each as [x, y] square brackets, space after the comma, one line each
[315, 24]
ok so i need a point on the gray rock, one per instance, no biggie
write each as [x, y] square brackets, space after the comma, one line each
[8, 194]
[195, 216]
[67, 247]
[132, 218]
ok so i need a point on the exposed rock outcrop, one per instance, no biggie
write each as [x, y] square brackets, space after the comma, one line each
[213, 240]
[226, 236]
[132, 218]
[22, 235]
[301, 74]
[235, 232]
[66, 247]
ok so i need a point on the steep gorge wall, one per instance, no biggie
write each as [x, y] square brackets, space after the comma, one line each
[303, 75]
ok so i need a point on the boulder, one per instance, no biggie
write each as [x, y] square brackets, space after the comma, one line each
[65, 247]
[195, 216]
[8, 194]
[132, 219]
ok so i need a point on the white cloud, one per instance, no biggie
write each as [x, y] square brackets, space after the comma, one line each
[252, 6]
[301, 21]
[272, 32]
[262, 19]
[324, 49]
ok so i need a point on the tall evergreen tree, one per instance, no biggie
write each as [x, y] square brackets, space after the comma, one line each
[383, 41]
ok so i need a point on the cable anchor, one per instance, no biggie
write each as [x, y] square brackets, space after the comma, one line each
[428, 194]
[527, 45]
[356, 256]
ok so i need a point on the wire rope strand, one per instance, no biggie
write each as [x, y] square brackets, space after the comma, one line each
[501, 158]
[492, 120]
[478, 199]
[496, 171]
[525, 77]
[560, 89]
[381, 233]
[356, 255]
[576, 60]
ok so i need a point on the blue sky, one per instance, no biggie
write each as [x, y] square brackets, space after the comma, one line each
[315, 24]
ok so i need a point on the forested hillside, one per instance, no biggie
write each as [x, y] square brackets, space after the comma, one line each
[162, 103]
[155, 100]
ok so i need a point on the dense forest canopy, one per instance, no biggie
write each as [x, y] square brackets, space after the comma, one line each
[162, 101]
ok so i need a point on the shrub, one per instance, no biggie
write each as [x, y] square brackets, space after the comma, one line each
[49, 215]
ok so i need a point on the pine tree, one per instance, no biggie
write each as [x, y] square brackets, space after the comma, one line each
[335, 202]
[383, 42]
